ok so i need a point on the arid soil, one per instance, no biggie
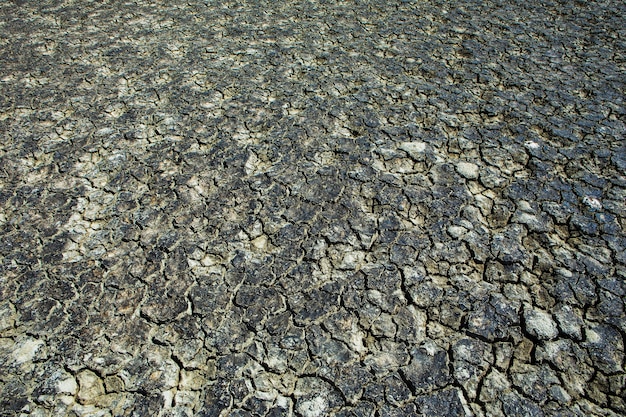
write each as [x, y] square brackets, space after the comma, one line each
[312, 208]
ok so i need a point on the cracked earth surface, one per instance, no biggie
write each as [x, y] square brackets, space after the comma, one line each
[320, 208]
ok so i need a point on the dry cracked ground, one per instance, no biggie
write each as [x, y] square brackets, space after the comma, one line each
[318, 208]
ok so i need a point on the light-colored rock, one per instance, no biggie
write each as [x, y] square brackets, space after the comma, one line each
[352, 260]
[384, 326]
[66, 399]
[314, 407]
[467, 170]
[7, 316]
[569, 319]
[532, 145]
[456, 231]
[26, 350]
[592, 202]
[191, 380]
[260, 243]
[524, 206]
[382, 362]
[494, 384]
[91, 387]
[416, 150]
[89, 411]
[540, 323]
[210, 260]
[67, 386]
[186, 399]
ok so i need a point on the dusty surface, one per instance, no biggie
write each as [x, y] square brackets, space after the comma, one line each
[326, 208]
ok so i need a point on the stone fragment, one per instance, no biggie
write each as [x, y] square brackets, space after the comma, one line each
[592, 202]
[384, 326]
[428, 369]
[311, 306]
[606, 347]
[494, 319]
[560, 394]
[7, 317]
[90, 387]
[329, 350]
[426, 294]
[361, 409]
[315, 397]
[494, 384]
[411, 324]
[67, 386]
[457, 231]
[468, 170]
[113, 383]
[374, 393]
[396, 391]
[26, 350]
[534, 381]
[471, 359]
[217, 400]
[536, 222]
[382, 362]
[492, 177]
[164, 308]
[191, 380]
[351, 260]
[497, 272]
[151, 371]
[507, 246]
[503, 354]
[415, 150]
[539, 323]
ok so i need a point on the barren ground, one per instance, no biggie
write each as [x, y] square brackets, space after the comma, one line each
[318, 208]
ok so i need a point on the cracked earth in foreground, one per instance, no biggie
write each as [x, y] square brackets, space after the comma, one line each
[312, 209]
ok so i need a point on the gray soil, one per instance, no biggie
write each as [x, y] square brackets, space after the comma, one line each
[319, 208]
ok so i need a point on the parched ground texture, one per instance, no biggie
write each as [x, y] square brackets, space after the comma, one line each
[312, 208]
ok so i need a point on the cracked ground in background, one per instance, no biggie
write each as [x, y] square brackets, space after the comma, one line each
[320, 208]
